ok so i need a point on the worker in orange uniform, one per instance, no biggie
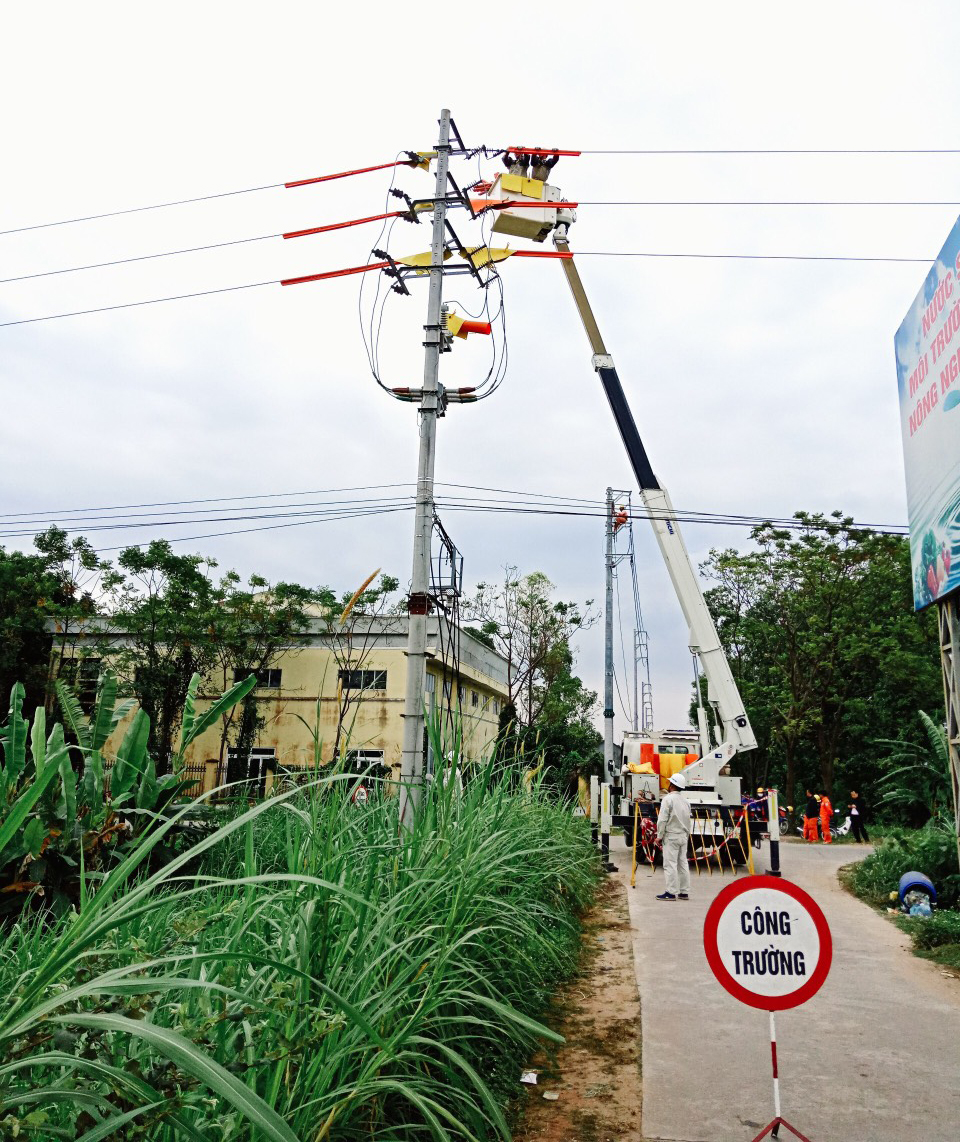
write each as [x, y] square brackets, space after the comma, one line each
[810, 814]
[620, 517]
[826, 816]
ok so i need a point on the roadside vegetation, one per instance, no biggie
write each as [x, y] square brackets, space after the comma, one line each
[933, 851]
[298, 969]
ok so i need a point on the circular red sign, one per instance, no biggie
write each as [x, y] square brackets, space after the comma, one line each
[793, 937]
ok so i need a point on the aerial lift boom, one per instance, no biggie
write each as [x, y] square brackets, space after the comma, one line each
[733, 725]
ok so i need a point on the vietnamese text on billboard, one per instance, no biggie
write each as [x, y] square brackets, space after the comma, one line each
[928, 377]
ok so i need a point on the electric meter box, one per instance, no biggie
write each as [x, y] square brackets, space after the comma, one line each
[528, 221]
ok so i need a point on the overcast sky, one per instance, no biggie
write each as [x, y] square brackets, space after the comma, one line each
[760, 386]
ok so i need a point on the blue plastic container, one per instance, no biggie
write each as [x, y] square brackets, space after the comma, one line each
[912, 880]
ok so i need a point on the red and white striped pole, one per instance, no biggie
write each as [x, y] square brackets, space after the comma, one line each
[776, 1075]
[773, 1128]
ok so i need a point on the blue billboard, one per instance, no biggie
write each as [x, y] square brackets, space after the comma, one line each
[928, 379]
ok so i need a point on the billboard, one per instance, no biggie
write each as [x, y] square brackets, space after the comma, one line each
[928, 379]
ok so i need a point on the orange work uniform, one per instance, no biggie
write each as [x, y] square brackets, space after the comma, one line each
[810, 819]
[826, 812]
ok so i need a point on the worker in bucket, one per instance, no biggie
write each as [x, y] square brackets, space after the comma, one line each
[673, 831]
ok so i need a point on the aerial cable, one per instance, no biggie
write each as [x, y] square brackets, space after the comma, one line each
[135, 304]
[141, 258]
[408, 216]
[414, 159]
[422, 156]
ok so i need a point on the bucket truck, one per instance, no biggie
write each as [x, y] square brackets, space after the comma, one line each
[649, 760]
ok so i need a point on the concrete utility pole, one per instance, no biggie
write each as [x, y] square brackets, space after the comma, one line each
[608, 687]
[418, 604]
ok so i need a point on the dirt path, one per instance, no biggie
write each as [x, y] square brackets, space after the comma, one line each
[596, 1075]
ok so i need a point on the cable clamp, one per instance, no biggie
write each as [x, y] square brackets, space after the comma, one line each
[599, 360]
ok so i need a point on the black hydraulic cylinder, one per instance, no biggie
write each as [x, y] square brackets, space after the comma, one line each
[628, 429]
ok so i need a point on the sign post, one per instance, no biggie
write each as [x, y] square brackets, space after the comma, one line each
[768, 944]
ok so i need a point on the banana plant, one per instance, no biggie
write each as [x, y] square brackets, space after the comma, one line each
[26, 778]
[51, 823]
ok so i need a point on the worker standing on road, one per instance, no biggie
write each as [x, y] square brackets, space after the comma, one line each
[858, 816]
[826, 816]
[810, 814]
[673, 831]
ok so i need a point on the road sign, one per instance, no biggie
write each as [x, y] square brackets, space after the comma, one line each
[767, 942]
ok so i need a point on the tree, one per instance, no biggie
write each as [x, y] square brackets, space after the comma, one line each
[548, 712]
[531, 631]
[823, 641]
[248, 627]
[159, 633]
[41, 597]
[78, 599]
[353, 625]
[920, 786]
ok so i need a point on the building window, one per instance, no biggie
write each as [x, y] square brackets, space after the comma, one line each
[496, 706]
[447, 692]
[363, 679]
[361, 759]
[267, 679]
[474, 698]
[251, 770]
[82, 676]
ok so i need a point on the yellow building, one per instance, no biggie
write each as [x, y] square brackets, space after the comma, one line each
[338, 692]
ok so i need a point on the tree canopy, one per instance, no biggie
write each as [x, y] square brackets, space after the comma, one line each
[823, 641]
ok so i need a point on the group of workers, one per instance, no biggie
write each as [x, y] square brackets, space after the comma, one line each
[820, 810]
[674, 824]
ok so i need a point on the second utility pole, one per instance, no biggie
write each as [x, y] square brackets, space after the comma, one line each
[411, 769]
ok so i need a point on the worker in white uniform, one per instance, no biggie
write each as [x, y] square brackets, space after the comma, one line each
[673, 831]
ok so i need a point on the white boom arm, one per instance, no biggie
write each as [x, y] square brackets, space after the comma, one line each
[734, 727]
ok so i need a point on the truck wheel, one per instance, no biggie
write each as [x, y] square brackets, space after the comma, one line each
[628, 836]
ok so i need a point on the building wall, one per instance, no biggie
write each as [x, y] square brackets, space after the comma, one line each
[308, 697]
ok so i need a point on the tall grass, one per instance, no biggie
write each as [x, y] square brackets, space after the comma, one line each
[308, 971]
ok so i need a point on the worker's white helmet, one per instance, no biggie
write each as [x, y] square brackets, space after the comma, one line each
[679, 780]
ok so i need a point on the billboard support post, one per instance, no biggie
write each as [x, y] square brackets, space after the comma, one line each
[949, 616]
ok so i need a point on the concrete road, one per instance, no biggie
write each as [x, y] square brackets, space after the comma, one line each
[873, 1057]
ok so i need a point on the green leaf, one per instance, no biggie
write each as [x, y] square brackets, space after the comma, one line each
[24, 804]
[131, 756]
[91, 785]
[103, 721]
[73, 714]
[190, 1058]
[227, 701]
[14, 740]
[147, 791]
[33, 837]
[189, 713]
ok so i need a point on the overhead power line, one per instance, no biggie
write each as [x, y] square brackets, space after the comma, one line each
[504, 501]
[579, 253]
[140, 209]
[646, 151]
[341, 225]
[786, 151]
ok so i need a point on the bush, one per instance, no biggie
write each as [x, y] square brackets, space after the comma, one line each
[931, 850]
[940, 930]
